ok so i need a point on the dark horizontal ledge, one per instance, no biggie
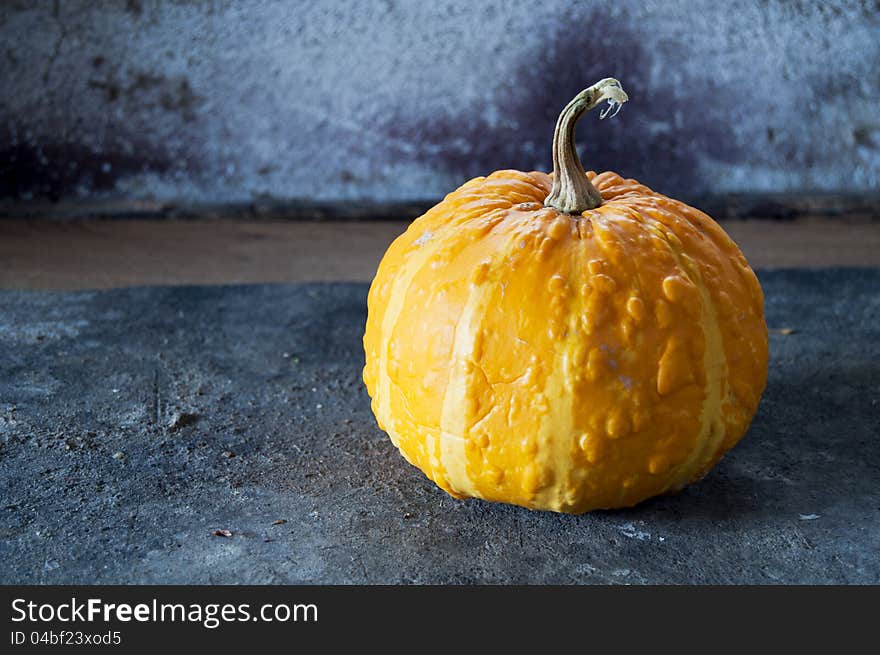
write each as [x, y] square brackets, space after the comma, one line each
[786, 206]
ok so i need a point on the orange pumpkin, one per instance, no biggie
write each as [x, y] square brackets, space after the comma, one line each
[565, 342]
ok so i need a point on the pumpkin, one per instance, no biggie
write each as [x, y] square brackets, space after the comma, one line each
[564, 342]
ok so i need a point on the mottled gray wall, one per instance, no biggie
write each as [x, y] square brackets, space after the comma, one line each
[230, 101]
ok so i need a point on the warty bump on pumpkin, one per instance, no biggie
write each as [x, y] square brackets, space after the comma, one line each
[565, 342]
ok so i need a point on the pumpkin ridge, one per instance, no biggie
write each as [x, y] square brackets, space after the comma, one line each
[710, 434]
[738, 404]
[557, 425]
[712, 430]
[396, 305]
[454, 427]
[482, 224]
[613, 230]
[569, 498]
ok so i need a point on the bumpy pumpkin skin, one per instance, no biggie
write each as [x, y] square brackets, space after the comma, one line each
[564, 362]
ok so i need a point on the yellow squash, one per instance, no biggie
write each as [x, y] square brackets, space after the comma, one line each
[565, 342]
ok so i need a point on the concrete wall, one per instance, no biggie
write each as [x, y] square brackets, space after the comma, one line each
[222, 101]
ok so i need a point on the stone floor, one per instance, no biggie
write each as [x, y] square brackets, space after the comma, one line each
[140, 424]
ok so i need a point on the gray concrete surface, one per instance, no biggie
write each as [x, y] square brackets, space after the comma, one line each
[273, 100]
[136, 423]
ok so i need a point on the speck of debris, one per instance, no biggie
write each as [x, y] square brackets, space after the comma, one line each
[630, 531]
[279, 521]
[784, 331]
[809, 517]
[222, 533]
[286, 355]
[40, 337]
[266, 540]
[119, 455]
[407, 515]
[319, 406]
[228, 454]
[182, 420]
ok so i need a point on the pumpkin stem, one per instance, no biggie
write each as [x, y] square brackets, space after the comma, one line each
[572, 192]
